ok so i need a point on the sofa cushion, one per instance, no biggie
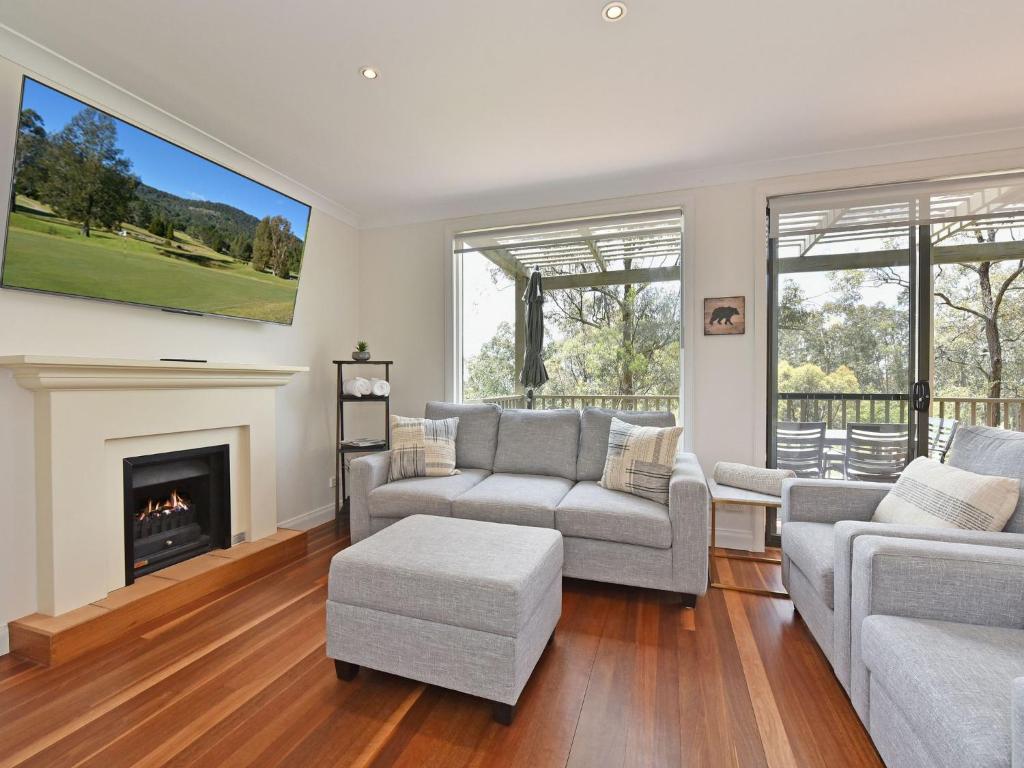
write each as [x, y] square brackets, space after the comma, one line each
[514, 499]
[422, 495]
[538, 442]
[935, 495]
[478, 431]
[461, 573]
[811, 548]
[591, 512]
[594, 426]
[953, 683]
[641, 460]
[990, 451]
[422, 448]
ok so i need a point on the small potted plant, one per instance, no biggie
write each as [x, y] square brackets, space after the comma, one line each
[362, 351]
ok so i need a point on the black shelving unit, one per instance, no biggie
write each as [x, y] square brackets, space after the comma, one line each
[341, 448]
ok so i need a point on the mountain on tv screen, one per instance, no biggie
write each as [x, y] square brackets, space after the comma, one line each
[104, 210]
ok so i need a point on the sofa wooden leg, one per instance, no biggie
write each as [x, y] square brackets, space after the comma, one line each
[688, 600]
[551, 639]
[345, 670]
[503, 713]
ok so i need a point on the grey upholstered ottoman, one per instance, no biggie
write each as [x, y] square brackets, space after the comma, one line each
[462, 604]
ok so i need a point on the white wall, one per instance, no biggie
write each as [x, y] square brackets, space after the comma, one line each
[324, 328]
[402, 278]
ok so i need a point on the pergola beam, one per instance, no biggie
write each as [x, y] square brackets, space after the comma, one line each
[615, 277]
[554, 261]
[597, 256]
[511, 266]
[944, 254]
[574, 240]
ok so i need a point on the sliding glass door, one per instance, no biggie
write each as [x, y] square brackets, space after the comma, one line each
[878, 296]
[843, 345]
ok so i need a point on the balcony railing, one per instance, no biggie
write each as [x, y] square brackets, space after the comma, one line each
[1005, 412]
[837, 409]
[617, 402]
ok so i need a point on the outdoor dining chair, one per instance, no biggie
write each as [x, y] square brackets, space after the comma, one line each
[940, 436]
[800, 446]
[876, 452]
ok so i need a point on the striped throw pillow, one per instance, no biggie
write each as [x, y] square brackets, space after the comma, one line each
[640, 460]
[422, 447]
[937, 495]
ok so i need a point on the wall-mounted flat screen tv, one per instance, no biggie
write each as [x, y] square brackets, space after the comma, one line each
[102, 209]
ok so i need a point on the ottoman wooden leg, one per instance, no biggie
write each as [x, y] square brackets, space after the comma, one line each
[345, 670]
[503, 713]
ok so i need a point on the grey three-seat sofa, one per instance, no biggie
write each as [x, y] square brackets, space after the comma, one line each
[540, 468]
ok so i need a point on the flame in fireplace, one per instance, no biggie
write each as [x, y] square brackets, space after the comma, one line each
[173, 503]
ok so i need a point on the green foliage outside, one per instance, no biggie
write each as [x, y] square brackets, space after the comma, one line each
[809, 377]
[601, 340]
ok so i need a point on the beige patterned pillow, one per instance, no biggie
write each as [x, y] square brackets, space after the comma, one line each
[422, 447]
[640, 460]
[937, 495]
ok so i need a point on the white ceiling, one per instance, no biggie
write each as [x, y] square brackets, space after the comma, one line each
[486, 103]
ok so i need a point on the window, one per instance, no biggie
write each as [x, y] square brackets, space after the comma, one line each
[611, 312]
[898, 316]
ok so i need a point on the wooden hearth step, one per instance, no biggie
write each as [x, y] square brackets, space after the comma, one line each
[121, 615]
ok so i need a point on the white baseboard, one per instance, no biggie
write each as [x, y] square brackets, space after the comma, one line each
[5, 640]
[308, 520]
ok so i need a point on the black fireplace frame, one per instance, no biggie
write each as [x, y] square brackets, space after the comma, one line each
[220, 532]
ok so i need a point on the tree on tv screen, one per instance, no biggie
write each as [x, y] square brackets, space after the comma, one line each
[88, 178]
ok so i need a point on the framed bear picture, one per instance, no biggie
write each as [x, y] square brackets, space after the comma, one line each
[725, 316]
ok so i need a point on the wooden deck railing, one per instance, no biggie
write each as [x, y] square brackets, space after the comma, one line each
[618, 402]
[1005, 412]
[837, 409]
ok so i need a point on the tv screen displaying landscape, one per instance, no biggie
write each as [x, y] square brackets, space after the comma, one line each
[104, 210]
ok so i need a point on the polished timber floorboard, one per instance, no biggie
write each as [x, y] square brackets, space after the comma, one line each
[631, 679]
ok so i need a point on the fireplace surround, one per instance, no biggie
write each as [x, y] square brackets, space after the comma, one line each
[92, 413]
[177, 505]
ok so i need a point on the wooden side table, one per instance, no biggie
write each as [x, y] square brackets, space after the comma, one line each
[725, 495]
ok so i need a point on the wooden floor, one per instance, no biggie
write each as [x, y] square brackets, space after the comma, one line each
[631, 679]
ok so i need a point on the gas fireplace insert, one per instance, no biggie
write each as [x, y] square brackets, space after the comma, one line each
[176, 505]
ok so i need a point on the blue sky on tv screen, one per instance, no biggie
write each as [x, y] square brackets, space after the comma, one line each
[167, 167]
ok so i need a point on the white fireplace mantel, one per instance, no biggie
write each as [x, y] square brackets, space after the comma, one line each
[92, 413]
[39, 372]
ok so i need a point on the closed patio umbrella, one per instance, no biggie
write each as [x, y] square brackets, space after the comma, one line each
[534, 373]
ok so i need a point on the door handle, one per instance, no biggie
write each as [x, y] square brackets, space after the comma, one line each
[921, 396]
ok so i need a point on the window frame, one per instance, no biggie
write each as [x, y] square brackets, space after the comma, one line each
[690, 316]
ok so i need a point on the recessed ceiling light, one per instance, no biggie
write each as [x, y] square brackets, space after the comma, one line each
[370, 73]
[614, 11]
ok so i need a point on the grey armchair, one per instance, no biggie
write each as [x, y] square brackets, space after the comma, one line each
[823, 519]
[939, 656]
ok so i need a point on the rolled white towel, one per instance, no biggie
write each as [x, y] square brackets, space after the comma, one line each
[757, 479]
[380, 388]
[358, 387]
